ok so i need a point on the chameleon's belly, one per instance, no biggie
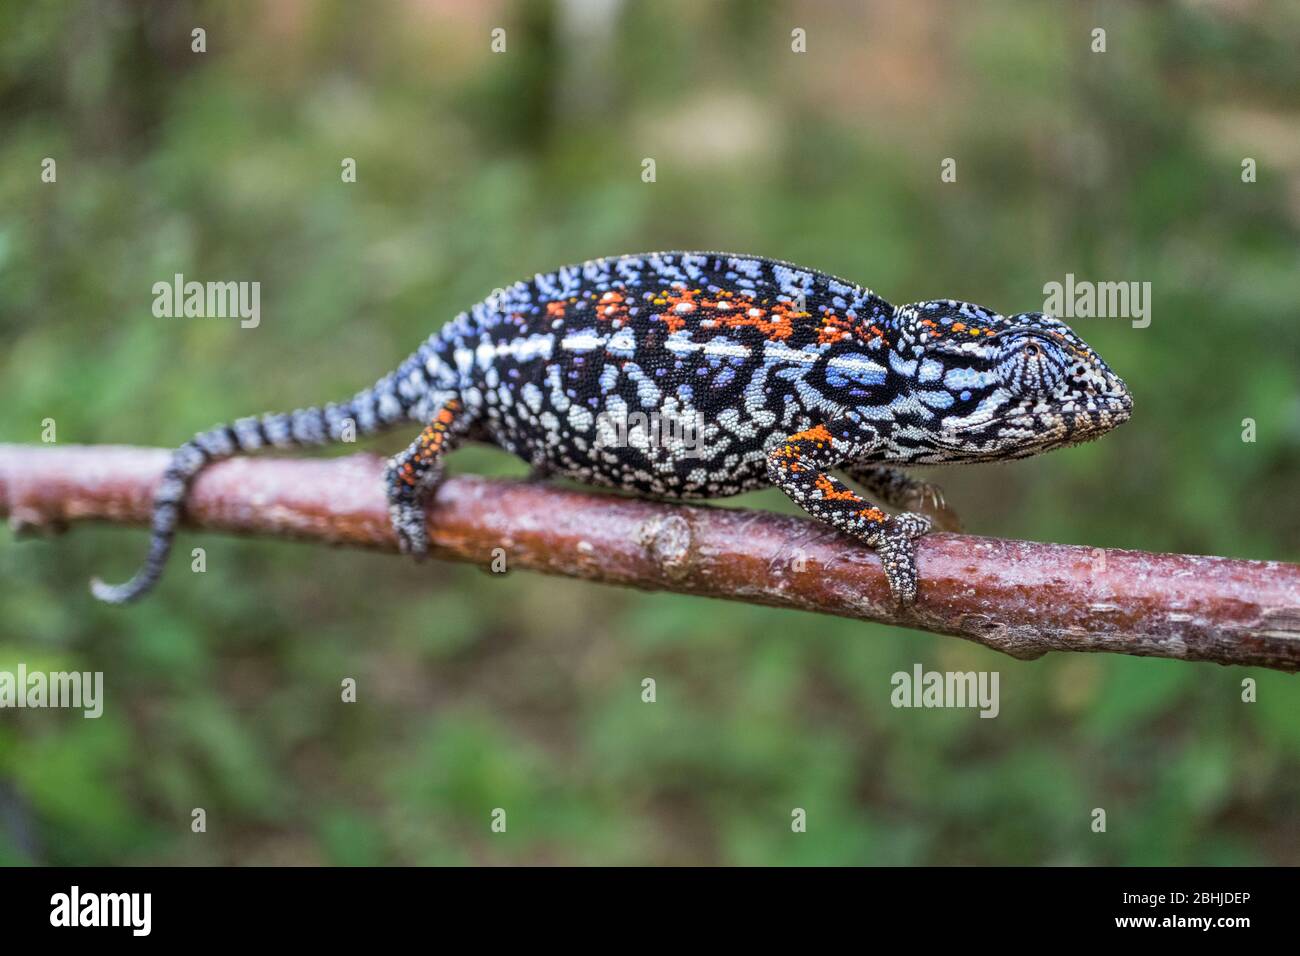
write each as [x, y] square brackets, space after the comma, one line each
[649, 472]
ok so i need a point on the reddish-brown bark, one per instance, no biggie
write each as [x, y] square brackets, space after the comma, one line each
[1019, 597]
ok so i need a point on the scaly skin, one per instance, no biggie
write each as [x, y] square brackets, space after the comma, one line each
[790, 373]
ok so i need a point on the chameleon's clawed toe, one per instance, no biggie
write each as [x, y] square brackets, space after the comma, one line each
[928, 497]
[408, 525]
[909, 525]
[895, 547]
[929, 500]
[897, 556]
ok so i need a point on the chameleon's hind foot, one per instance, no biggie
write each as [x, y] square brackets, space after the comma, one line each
[412, 475]
[405, 512]
[408, 525]
[897, 552]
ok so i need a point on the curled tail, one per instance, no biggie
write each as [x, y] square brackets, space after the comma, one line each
[370, 411]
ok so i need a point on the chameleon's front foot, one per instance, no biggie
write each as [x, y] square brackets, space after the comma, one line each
[897, 553]
[798, 466]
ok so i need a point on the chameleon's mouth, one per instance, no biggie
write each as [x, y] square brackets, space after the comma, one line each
[1106, 411]
[1071, 425]
[1114, 410]
[1039, 430]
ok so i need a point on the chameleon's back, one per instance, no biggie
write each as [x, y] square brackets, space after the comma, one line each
[669, 373]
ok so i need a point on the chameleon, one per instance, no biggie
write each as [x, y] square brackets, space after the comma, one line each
[784, 375]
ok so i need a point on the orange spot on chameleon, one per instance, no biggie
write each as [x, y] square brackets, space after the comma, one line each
[817, 434]
[830, 492]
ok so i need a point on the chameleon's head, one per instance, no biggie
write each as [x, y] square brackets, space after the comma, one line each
[1006, 386]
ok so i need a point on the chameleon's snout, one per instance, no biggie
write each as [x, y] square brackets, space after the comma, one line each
[1122, 402]
[1116, 398]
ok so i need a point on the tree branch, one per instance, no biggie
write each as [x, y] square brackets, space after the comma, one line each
[1018, 597]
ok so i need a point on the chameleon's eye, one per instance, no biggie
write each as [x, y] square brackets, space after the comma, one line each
[1030, 365]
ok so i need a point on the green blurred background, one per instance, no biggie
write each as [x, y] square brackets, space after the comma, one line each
[474, 169]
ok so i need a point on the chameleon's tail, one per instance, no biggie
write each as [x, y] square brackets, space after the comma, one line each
[370, 411]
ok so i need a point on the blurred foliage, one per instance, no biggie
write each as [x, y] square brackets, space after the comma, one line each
[478, 691]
